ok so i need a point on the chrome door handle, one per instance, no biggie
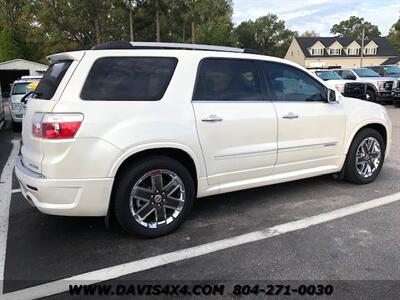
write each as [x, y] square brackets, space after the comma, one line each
[212, 118]
[291, 115]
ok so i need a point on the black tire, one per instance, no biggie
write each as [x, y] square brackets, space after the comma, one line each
[16, 127]
[127, 180]
[371, 95]
[351, 173]
[396, 103]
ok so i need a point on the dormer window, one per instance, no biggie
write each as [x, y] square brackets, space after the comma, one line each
[370, 51]
[371, 48]
[353, 48]
[353, 51]
[317, 51]
[335, 51]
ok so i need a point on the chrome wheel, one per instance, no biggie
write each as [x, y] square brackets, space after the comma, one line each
[368, 157]
[157, 198]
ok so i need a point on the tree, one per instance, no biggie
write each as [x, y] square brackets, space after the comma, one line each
[311, 33]
[353, 27]
[394, 35]
[267, 35]
[10, 46]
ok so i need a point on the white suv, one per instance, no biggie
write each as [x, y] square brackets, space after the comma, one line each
[142, 129]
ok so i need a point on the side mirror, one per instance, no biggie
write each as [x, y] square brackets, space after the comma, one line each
[26, 97]
[331, 95]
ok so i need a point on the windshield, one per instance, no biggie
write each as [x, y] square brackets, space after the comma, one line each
[364, 72]
[392, 69]
[19, 88]
[328, 75]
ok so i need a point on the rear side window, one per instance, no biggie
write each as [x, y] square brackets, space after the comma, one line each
[227, 80]
[129, 78]
[51, 80]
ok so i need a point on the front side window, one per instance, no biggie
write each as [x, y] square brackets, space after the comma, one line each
[347, 74]
[222, 79]
[287, 83]
[328, 75]
[129, 78]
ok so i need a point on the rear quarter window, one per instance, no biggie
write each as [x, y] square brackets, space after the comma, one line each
[51, 80]
[129, 78]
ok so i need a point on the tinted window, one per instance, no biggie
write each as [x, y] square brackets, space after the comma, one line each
[286, 83]
[364, 72]
[328, 75]
[51, 80]
[346, 74]
[129, 78]
[228, 79]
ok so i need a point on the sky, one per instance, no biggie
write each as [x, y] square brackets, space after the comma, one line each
[319, 15]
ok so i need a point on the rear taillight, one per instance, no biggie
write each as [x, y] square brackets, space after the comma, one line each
[56, 126]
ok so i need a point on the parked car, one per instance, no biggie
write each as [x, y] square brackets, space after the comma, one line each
[347, 88]
[394, 72]
[18, 90]
[139, 130]
[378, 88]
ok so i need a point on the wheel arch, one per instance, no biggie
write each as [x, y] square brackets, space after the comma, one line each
[378, 126]
[178, 152]
[372, 87]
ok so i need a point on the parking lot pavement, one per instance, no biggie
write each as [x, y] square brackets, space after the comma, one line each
[43, 248]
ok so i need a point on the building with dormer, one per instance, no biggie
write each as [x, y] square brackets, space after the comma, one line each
[336, 52]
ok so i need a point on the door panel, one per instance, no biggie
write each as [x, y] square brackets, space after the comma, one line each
[314, 139]
[310, 130]
[242, 145]
[237, 128]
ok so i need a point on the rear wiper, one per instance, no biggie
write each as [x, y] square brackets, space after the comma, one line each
[25, 99]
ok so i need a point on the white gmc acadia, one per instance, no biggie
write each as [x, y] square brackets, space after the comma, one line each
[140, 130]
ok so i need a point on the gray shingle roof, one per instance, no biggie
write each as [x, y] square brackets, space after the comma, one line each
[391, 61]
[384, 47]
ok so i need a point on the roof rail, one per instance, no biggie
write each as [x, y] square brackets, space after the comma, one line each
[150, 45]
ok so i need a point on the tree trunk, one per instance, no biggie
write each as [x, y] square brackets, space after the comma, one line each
[130, 22]
[157, 22]
[97, 29]
[193, 32]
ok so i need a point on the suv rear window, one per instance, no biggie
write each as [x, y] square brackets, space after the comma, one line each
[51, 80]
[129, 78]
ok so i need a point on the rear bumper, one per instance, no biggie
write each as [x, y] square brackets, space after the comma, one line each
[64, 197]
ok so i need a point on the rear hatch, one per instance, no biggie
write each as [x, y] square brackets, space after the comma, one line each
[45, 98]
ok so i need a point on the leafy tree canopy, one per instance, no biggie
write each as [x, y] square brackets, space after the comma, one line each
[354, 26]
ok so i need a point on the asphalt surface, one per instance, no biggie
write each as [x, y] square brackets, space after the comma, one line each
[363, 246]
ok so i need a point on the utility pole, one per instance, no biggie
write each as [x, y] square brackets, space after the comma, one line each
[362, 48]
[130, 20]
